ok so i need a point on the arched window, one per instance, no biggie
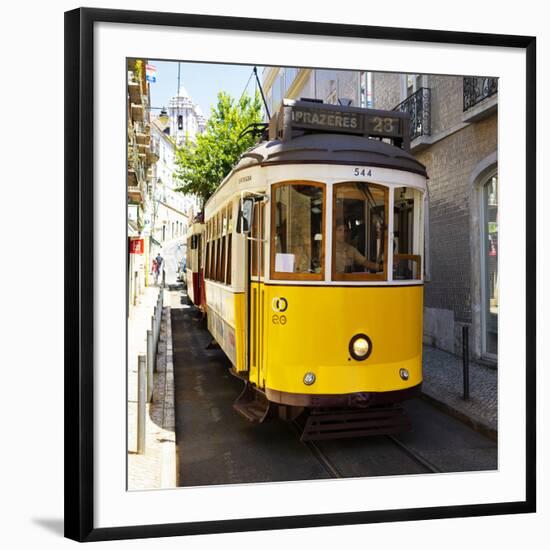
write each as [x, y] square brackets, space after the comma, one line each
[489, 266]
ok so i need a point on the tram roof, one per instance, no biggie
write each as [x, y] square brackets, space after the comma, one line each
[327, 148]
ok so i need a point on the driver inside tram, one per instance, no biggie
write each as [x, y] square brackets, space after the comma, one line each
[347, 257]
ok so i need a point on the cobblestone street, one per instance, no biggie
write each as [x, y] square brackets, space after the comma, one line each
[443, 384]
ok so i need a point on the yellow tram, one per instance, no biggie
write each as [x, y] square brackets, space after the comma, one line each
[194, 276]
[313, 263]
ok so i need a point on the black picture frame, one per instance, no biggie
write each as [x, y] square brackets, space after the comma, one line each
[79, 269]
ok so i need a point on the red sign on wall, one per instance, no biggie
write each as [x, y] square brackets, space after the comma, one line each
[136, 246]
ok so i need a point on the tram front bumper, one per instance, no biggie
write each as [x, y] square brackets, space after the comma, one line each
[358, 399]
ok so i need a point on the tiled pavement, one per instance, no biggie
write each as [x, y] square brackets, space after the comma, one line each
[443, 385]
[156, 467]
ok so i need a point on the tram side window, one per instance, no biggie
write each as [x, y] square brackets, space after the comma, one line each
[407, 211]
[199, 252]
[257, 244]
[228, 269]
[223, 240]
[262, 237]
[297, 250]
[209, 253]
[359, 231]
[214, 250]
[219, 254]
[229, 237]
[188, 254]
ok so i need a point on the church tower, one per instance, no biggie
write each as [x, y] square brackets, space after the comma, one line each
[186, 118]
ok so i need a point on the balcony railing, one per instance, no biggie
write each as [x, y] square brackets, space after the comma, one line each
[418, 107]
[478, 88]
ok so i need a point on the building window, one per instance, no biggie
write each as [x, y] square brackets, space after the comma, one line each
[332, 98]
[490, 295]
[414, 82]
[277, 91]
[290, 75]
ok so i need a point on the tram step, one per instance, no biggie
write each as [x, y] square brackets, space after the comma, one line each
[252, 404]
[343, 423]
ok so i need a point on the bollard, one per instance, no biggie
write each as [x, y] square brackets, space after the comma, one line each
[465, 363]
[155, 333]
[163, 278]
[150, 365]
[159, 319]
[141, 417]
[157, 328]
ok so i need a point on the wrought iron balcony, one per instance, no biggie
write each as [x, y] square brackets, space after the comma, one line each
[418, 107]
[478, 88]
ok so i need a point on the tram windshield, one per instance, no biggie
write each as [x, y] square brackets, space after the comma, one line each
[359, 229]
[297, 231]
[407, 233]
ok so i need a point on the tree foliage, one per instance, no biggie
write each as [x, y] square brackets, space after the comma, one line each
[201, 167]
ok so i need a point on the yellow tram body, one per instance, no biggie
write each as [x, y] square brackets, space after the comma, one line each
[285, 353]
[291, 334]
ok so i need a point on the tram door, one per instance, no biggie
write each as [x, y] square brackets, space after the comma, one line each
[256, 299]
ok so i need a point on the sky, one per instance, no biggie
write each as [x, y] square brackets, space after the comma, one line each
[202, 81]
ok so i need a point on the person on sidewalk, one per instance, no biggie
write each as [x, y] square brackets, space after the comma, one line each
[160, 261]
[155, 270]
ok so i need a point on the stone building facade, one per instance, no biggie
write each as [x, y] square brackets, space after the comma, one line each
[142, 154]
[453, 132]
[170, 215]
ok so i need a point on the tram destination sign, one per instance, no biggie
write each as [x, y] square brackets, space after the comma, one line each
[341, 120]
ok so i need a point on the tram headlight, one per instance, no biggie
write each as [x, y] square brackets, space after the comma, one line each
[360, 347]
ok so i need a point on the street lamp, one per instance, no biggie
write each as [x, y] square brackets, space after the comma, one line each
[163, 116]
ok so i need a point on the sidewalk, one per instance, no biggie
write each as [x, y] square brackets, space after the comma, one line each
[443, 386]
[156, 468]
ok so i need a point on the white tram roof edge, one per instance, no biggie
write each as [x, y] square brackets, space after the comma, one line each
[322, 152]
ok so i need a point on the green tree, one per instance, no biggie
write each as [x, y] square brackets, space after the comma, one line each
[201, 167]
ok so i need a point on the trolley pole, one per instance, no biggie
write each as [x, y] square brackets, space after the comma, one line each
[141, 417]
[465, 363]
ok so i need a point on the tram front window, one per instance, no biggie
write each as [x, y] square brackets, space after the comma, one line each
[407, 225]
[297, 235]
[359, 243]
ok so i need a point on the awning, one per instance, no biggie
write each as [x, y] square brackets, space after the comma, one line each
[133, 229]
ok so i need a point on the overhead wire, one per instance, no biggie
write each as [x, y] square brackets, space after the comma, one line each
[246, 87]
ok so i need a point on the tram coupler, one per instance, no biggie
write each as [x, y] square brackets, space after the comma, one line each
[289, 412]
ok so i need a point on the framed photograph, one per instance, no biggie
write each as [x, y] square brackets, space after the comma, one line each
[300, 274]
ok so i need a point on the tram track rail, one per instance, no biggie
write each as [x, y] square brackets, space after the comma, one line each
[323, 459]
[417, 457]
[336, 473]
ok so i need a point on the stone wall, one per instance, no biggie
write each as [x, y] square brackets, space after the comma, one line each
[450, 163]
[446, 102]
[386, 90]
